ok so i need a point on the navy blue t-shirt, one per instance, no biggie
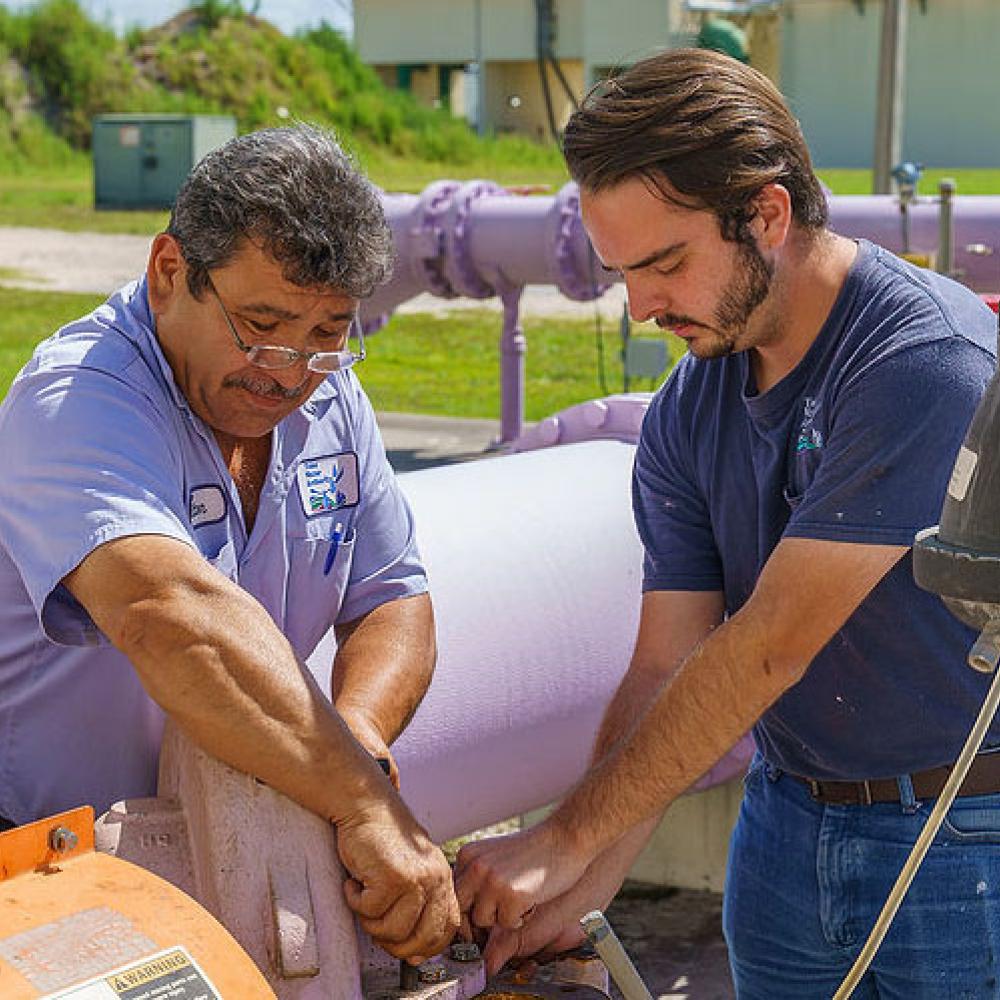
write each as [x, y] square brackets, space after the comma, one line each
[855, 444]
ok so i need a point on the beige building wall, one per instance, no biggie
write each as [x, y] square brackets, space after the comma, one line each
[591, 36]
[515, 101]
[424, 85]
[387, 74]
[764, 41]
[616, 35]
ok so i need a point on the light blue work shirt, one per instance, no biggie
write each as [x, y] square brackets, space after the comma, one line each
[99, 443]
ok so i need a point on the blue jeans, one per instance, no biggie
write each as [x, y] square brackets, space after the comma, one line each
[807, 881]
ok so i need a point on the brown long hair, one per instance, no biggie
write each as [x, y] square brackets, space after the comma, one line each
[716, 130]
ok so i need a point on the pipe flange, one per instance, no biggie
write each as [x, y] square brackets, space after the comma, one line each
[953, 571]
[432, 210]
[462, 270]
[614, 418]
[569, 232]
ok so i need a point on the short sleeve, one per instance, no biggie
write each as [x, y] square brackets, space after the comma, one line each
[671, 513]
[86, 460]
[386, 563]
[893, 434]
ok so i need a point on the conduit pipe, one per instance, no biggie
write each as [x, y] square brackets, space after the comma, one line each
[476, 240]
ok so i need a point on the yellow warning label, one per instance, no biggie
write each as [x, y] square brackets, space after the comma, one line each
[148, 972]
[171, 974]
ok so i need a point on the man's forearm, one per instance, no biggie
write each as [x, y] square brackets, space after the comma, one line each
[211, 657]
[384, 664]
[712, 700]
[672, 627]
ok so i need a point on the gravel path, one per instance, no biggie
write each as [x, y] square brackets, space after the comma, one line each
[57, 261]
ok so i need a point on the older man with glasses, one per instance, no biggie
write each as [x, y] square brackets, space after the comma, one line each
[194, 492]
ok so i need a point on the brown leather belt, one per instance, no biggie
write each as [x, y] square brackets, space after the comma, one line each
[983, 779]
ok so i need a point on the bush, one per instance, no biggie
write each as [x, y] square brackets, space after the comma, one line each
[217, 58]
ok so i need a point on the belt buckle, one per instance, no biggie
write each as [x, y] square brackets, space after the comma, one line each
[814, 789]
[866, 788]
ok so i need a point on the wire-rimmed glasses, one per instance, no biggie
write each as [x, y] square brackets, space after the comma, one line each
[273, 357]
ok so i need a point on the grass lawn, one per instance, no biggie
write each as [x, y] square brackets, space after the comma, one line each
[28, 317]
[450, 365]
[420, 363]
[417, 364]
[63, 199]
[970, 180]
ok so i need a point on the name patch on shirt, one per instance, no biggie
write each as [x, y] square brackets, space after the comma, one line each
[328, 482]
[207, 505]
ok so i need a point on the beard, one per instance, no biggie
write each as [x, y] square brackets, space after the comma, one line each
[749, 286]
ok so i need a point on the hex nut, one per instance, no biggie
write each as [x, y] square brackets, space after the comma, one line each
[465, 951]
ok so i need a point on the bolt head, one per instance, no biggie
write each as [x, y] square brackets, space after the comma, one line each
[62, 839]
[465, 951]
[433, 974]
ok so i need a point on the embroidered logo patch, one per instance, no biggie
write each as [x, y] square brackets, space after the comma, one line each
[809, 437]
[328, 482]
[207, 505]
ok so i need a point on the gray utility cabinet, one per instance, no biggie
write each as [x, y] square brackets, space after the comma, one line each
[140, 161]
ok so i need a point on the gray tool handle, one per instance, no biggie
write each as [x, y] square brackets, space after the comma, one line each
[595, 925]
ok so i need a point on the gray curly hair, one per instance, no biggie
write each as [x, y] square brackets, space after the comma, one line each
[297, 194]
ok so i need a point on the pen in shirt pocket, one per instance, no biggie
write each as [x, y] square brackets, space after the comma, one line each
[336, 537]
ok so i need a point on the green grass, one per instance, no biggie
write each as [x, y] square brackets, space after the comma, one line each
[28, 317]
[450, 365]
[970, 180]
[417, 364]
[394, 173]
[63, 199]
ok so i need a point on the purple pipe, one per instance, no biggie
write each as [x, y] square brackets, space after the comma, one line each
[976, 231]
[473, 239]
[535, 568]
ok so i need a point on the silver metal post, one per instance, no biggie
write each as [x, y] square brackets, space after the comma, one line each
[946, 229]
[480, 71]
[595, 925]
[891, 83]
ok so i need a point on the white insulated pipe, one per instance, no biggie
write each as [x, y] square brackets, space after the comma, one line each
[534, 567]
[535, 570]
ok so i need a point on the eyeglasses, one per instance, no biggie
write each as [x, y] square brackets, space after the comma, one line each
[273, 357]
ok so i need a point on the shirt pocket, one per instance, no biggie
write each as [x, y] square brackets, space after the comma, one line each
[314, 595]
[803, 465]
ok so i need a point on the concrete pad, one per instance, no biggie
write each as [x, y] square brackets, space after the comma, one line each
[674, 938]
[417, 441]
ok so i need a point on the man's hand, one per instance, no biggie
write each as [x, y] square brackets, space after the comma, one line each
[555, 926]
[501, 880]
[400, 883]
[552, 929]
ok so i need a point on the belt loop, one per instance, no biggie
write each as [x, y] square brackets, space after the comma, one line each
[772, 772]
[907, 799]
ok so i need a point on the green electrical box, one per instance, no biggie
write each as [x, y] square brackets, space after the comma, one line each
[140, 161]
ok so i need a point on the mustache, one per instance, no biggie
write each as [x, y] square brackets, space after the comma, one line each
[668, 320]
[267, 387]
